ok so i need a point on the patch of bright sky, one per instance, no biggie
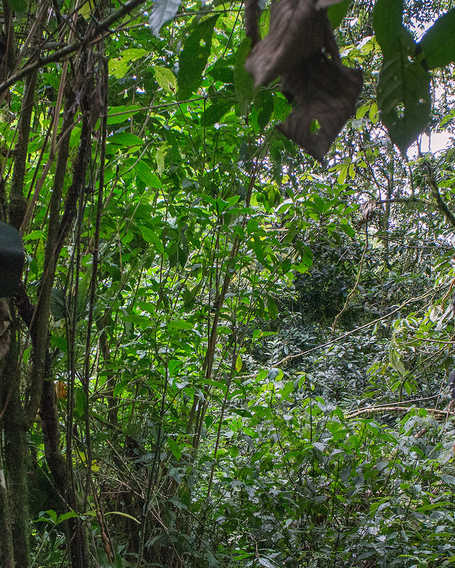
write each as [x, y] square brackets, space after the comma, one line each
[434, 143]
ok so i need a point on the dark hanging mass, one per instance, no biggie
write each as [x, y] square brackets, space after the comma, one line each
[301, 49]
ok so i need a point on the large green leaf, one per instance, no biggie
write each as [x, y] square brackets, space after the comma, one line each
[125, 139]
[11, 260]
[243, 81]
[193, 58]
[337, 12]
[404, 94]
[387, 22]
[165, 79]
[145, 174]
[18, 5]
[438, 44]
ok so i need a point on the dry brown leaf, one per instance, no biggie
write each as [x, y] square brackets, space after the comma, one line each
[297, 32]
[325, 93]
[301, 49]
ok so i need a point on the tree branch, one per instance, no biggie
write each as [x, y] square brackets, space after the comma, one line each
[90, 37]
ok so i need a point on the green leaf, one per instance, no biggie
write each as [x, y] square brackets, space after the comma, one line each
[150, 236]
[160, 157]
[80, 403]
[125, 139]
[396, 363]
[180, 324]
[19, 6]
[193, 58]
[175, 448]
[264, 102]
[337, 12]
[145, 174]
[287, 390]
[11, 260]
[387, 23]
[238, 363]
[438, 44]
[133, 53]
[243, 81]
[162, 12]
[118, 114]
[215, 112]
[118, 67]
[404, 94]
[165, 79]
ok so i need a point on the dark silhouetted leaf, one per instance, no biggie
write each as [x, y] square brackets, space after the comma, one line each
[337, 12]
[215, 112]
[438, 44]
[404, 94]
[18, 5]
[243, 82]
[387, 22]
[193, 58]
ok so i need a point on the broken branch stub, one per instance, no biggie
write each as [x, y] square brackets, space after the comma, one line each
[301, 49]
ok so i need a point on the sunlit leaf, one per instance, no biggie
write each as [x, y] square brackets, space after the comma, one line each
[165, 79]
[145, 174]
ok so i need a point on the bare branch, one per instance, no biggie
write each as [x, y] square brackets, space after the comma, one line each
[93, 35]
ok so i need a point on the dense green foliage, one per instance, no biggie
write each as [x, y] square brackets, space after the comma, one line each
[224, 353]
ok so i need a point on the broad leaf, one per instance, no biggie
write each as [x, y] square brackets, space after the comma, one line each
[18, 5]
[337, 12]
[162, 12]
[215, 112]
[404, 94]
[387, 22]
[193, 58]
[165, 79]
[180, 324]
[438, 44]
[145, 174]
[125, 139]
[243, 81]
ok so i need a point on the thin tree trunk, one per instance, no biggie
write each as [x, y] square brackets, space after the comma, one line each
[15, 430]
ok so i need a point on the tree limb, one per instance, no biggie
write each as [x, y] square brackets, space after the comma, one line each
[91, 36]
